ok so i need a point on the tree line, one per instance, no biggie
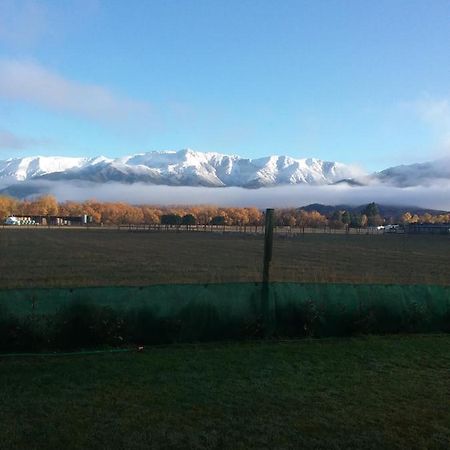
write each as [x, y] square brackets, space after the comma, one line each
[119, 213]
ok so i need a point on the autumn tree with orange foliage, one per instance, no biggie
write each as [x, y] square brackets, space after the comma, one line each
[47, 205]
[117, 213]
[8, 206]
[425, 218]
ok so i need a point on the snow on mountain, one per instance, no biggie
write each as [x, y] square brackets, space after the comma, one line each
[422, 174]
[183, 168]
[191, 168]
[21, 169]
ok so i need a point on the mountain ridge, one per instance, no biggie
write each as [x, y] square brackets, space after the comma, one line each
[179, 168]
[385, 210]
[188, 167]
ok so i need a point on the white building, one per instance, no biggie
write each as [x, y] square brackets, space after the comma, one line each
[12, 221]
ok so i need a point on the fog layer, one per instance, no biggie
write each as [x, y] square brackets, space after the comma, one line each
[436, 196]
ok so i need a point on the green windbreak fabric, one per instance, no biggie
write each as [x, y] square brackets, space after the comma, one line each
[186, 312]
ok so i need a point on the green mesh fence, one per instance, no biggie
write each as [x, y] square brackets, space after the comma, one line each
[38, 319]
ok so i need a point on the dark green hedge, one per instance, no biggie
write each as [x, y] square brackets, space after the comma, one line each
[63, 319]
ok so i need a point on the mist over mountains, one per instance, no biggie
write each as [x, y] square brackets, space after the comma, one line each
[188, 176]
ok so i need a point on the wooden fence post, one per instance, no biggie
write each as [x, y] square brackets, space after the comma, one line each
[268, 244]
[266, 306]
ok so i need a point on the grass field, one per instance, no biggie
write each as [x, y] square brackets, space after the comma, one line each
[353, 393]
[359, 393]
[55, 257]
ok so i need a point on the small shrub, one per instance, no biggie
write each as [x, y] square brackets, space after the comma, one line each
[143, 326]
[416, 317]
[26, 334]
[343, 322]
[83, 325]
[299, 319]
[201, 321]
[379, 319]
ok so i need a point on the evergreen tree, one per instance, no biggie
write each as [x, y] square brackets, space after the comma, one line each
[336, 220]
[371, 210]
[218, 220]
[188, 220]
[346, 218]
[373, 215]
[356, 220]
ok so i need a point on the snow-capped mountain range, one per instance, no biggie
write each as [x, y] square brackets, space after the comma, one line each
[193, 168]
[178, 168]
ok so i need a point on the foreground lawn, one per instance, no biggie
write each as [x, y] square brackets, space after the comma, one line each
[373, 392]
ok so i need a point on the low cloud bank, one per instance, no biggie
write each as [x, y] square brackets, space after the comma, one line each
[436, 196]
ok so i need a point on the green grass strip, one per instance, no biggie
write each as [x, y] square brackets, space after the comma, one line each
[82, 352]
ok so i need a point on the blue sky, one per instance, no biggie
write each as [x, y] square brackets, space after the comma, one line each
[354, 81]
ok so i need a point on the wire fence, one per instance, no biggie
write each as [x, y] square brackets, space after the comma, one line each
[43, 319]
[83, 288]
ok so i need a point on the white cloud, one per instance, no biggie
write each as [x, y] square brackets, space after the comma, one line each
[32, 83]
[435, 113]
[11, 141]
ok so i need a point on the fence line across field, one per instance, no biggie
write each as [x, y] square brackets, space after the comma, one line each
[251, 229]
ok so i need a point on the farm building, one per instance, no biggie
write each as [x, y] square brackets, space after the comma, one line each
[428, 228]
[48, 220]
